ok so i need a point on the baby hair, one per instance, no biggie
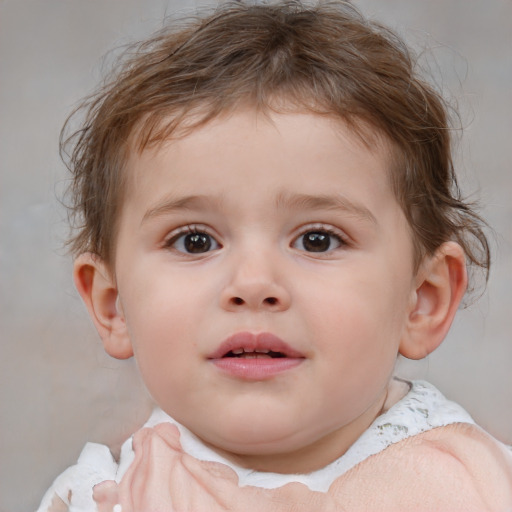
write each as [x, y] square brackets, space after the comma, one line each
[321, 58]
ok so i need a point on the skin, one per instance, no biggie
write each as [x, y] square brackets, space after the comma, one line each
[447, 469]
[348, 310]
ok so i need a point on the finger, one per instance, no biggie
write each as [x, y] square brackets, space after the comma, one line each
[170, 434]
[221, 484]
[217, 487]
[125, 488]
[193, 493]
[213, 483]
[214, 469]
[105, 495]
[146, 485]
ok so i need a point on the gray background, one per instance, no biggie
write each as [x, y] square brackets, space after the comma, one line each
[57, 388]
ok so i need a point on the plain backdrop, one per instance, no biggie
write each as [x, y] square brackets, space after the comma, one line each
[57, 388]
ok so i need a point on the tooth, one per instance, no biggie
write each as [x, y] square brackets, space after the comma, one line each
[238, 351]
[262, 351]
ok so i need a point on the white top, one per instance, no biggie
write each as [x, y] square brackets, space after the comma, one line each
[422, 408]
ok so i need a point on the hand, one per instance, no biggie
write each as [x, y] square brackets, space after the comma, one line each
[162, 478]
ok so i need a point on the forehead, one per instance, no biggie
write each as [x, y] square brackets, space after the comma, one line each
[294, 144]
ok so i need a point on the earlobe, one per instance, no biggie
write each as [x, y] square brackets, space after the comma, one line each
[97, 287]
[440, 285]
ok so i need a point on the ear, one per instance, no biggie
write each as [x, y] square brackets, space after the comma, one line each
[440, 285]
[97, 287]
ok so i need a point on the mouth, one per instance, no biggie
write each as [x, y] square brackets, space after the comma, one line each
[246, 345]
[244, 353]
[251, 356]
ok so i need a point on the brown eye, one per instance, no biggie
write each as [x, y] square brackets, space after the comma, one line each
[195, 242]
[318, 241]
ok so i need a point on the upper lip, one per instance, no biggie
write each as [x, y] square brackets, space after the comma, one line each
[252, 342]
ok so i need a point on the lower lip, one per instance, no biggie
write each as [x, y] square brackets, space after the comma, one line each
[257, 368]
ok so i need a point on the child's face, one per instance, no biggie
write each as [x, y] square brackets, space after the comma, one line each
[249, 231]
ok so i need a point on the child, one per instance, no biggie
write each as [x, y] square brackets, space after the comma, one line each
[268, 216]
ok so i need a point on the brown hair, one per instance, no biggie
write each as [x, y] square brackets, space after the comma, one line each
[326, 58]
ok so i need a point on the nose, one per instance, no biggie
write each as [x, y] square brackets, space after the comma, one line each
[255, 284]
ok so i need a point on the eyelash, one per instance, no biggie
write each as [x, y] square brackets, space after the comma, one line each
[316, 229]
[339, 236]
[192, 229]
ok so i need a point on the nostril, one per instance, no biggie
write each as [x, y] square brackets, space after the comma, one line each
[238, 301]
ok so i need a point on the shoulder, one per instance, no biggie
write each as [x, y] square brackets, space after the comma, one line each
[457, 467]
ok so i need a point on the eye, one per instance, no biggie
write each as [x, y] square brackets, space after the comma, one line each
[318, 240]
[193, 241]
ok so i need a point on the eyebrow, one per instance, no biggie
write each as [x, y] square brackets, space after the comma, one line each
[172, 204]
[325, 202]
[283, 201]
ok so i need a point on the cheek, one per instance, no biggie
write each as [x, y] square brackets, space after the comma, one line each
[160, 325]
[163, 358]
[358, 315]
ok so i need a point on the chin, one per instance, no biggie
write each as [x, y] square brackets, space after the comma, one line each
[252, 440]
